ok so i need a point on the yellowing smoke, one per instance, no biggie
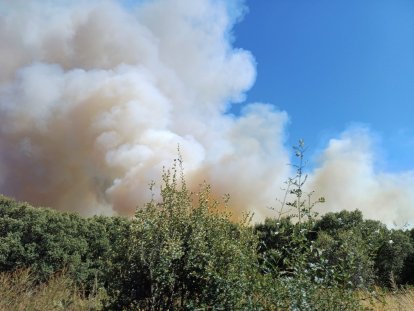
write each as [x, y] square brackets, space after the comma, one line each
[95, 97]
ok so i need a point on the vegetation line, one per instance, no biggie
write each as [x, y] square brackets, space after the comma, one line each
[184, 253]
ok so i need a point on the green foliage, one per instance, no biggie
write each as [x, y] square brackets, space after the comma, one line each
[408, 271]
[392, 257]
[350, 245]
[48, 241]
[301, 273]
[186, 255]
[347, 256]
[334, 222]
[297, 203]
[40, 238]
[275, 239]
[369, 251]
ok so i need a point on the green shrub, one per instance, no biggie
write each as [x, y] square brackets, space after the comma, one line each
[183, 252]
[186, 254]
[47, 241]
[299, 274]
[393, 258]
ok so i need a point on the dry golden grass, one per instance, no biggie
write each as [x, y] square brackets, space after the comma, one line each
[18, 292]
[395, 300]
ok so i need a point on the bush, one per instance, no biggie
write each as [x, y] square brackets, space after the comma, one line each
[47, 241]
[183, 252]
[42, 239]
[186, 255]
[393, 258]
[298, 272]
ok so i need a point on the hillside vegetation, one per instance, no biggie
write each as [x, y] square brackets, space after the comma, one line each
[185, 253]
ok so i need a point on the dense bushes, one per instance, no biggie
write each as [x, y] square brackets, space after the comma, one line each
[184, 253]
[364, 252]
[176, 253]
[48, 241]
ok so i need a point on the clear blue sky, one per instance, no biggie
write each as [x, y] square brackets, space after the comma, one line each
[332, 64]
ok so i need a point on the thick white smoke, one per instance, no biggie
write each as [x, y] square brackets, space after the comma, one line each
[349, 179]
[95, 98]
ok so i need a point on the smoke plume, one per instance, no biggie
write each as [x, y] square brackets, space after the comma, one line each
[95, 96]
[349, 179]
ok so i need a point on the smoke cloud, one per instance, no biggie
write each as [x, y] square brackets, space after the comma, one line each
[349, 179]
[95, 96]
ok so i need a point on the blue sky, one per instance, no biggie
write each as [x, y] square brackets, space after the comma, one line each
[336, 64]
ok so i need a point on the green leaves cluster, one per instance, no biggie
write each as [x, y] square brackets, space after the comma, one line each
[47, 241]
[185, 254]
[318, 263]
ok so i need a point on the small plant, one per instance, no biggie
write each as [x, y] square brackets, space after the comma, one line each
[297, 206]
[301, 206]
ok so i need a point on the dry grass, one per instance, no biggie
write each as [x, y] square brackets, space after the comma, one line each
[19, 292]
[392, 300]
